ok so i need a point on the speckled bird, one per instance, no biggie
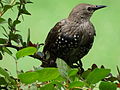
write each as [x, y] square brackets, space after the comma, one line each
[71, 38]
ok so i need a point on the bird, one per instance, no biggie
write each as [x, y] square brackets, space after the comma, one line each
[71, 38]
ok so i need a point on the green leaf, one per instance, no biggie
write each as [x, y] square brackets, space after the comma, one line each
[15, 37]
[118, 70]
[18, 38]
[96, 75]
[3, 72]
[10, 22]
[24, 11]
[107, 86]
[2, 20]
[12, 81]
[28, 77]
[47, 74]
[3, 41]
[1, 49]
[42, 75]
[76, 84]
[77, 89]
[16, 22]
[1, 56]
[28, 38]
[6, 75]
[85, 74]
[6, 34]
[25, 52]
[3, 81]
[48, 87]
[72, 72]
[118, 76]
[7, 51]
[60, 78]
[1, 4]
[63, 68]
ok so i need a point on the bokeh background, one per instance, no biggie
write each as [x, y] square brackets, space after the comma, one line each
[45, 14]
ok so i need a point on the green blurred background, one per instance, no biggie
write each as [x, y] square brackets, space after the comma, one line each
[45, 13]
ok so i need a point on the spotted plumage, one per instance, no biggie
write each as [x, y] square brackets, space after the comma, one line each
[71, 38]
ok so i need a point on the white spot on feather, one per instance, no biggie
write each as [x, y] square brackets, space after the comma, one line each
[62, 39]
[59, 37]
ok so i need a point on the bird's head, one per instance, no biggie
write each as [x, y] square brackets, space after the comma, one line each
[84, 11]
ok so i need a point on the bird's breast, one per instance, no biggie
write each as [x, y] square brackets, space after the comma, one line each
[73, 34]
[88, 33]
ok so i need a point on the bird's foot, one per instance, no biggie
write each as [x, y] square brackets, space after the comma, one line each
[80, 68]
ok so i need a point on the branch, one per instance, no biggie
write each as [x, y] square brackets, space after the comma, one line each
[36, 55]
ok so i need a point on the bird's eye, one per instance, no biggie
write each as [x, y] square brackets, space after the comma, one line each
[89, 9]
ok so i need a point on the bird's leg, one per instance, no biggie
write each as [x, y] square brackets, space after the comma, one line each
[48, 63]
[79, 63]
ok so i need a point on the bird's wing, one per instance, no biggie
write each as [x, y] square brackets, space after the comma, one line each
[52, 35]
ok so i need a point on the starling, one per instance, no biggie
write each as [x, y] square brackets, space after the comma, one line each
[71, 38]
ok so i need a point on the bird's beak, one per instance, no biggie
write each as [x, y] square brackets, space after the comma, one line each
[99, 7]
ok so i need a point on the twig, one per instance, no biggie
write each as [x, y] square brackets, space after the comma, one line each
[36, 55]
[11, 3]
[12, 46]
